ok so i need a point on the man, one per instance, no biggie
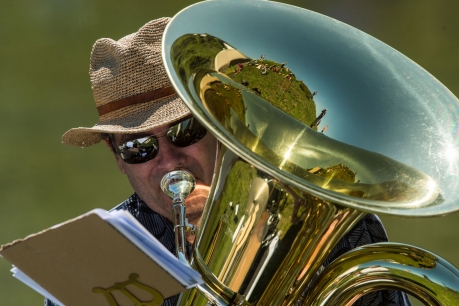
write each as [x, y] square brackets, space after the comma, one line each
[139, 111]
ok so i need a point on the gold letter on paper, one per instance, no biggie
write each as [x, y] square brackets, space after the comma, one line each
[157, 297]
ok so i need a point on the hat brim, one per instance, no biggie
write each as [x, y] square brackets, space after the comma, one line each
[129, 120]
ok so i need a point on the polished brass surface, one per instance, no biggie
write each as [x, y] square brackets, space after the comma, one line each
[386, 266]
[285, 188]
[261, 238]
[390, 121]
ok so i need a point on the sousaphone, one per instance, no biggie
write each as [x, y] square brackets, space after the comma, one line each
[266, 79]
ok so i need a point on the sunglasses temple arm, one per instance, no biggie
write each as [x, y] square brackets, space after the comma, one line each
[111, 140]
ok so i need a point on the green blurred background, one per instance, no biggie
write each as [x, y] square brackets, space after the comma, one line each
[45, 90]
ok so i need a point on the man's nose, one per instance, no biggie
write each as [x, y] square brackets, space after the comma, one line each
[169, 156]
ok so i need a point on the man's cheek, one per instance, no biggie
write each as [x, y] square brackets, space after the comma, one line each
[197, 197]
[201, 189]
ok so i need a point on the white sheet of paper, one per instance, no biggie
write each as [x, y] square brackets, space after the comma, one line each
[18, 274]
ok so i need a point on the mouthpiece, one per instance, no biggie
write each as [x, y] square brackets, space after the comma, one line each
[178, 185]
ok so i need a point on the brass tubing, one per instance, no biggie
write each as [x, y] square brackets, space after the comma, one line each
[381, 266]
[345, 219]
[209, 293]
[324, 226]
[299, 178]
[210, 279]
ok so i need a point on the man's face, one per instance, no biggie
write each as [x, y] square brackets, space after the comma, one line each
[145, 178]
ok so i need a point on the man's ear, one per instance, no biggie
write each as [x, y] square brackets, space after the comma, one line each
[119, 161]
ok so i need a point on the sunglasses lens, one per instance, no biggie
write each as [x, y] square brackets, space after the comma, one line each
[143, 149]
[186, 133]
[139, 150]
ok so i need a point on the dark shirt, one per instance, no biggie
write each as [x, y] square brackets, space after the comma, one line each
[368, 230]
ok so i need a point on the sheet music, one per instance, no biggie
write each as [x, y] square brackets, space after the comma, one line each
[144, 240]
[128, 226]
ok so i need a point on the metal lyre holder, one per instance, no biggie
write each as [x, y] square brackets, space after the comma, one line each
[283, 192]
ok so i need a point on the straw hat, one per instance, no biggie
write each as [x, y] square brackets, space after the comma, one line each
[130, 86]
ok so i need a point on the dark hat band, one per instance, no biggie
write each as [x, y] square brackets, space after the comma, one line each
[137, 99]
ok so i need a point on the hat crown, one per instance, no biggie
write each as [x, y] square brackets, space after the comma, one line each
[131, 89]
[129, 66]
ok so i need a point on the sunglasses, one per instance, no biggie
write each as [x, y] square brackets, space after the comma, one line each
[141, 150]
